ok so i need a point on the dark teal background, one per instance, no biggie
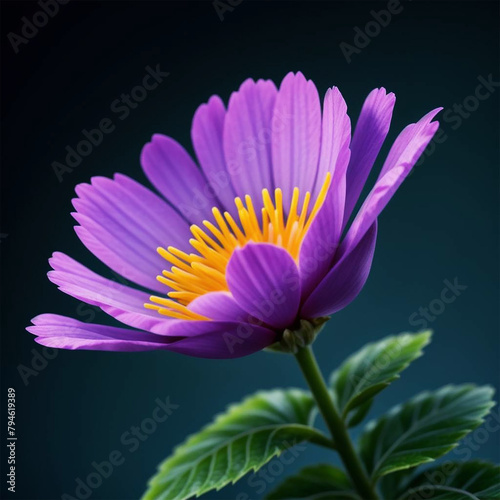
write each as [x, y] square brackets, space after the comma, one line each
[441, 225]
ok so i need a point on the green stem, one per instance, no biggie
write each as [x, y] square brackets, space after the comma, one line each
[336, 425]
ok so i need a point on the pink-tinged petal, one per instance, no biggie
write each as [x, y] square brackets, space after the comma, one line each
[344, 281]
[218, 340]
[335, 140]
[219, 306]
[371, 130]
[247, 137]
[405, 152]
[296, 135]
[264, 281]
[119, 301]
[123, 223]
[172, 171]
[207, 134]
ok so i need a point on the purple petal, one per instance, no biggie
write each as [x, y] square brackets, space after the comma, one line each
[219, 339]
[62, 332]
[371, 130]
[102, 245]
[172, 171]
[219, 306]
[335, 139]
[406, 150]
[232, 341]
[344, 281]
[119, 301]
[247, 137]
[264, 281]
[296, 134]
[123, 223]
[322, 239]
[206, 135]
[77, 280]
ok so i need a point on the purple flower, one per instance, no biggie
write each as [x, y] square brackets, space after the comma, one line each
[250, 243]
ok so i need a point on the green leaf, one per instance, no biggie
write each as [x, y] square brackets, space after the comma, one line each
[423, 429]
[318, 482]
[393, 484]
[372, 369]
[359, 414]
[244, 438]
[455, 481]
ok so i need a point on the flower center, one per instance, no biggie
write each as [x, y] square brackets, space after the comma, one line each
[195, 274]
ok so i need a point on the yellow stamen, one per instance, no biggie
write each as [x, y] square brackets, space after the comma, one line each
[235, 228]
[253, 218]
[278, 196]
[195, 274]
[223, 226]
[265, 225]
[319, 201]
[292, 216]
[180, 309]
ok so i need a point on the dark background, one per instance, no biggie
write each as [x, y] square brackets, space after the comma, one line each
[442, 224]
